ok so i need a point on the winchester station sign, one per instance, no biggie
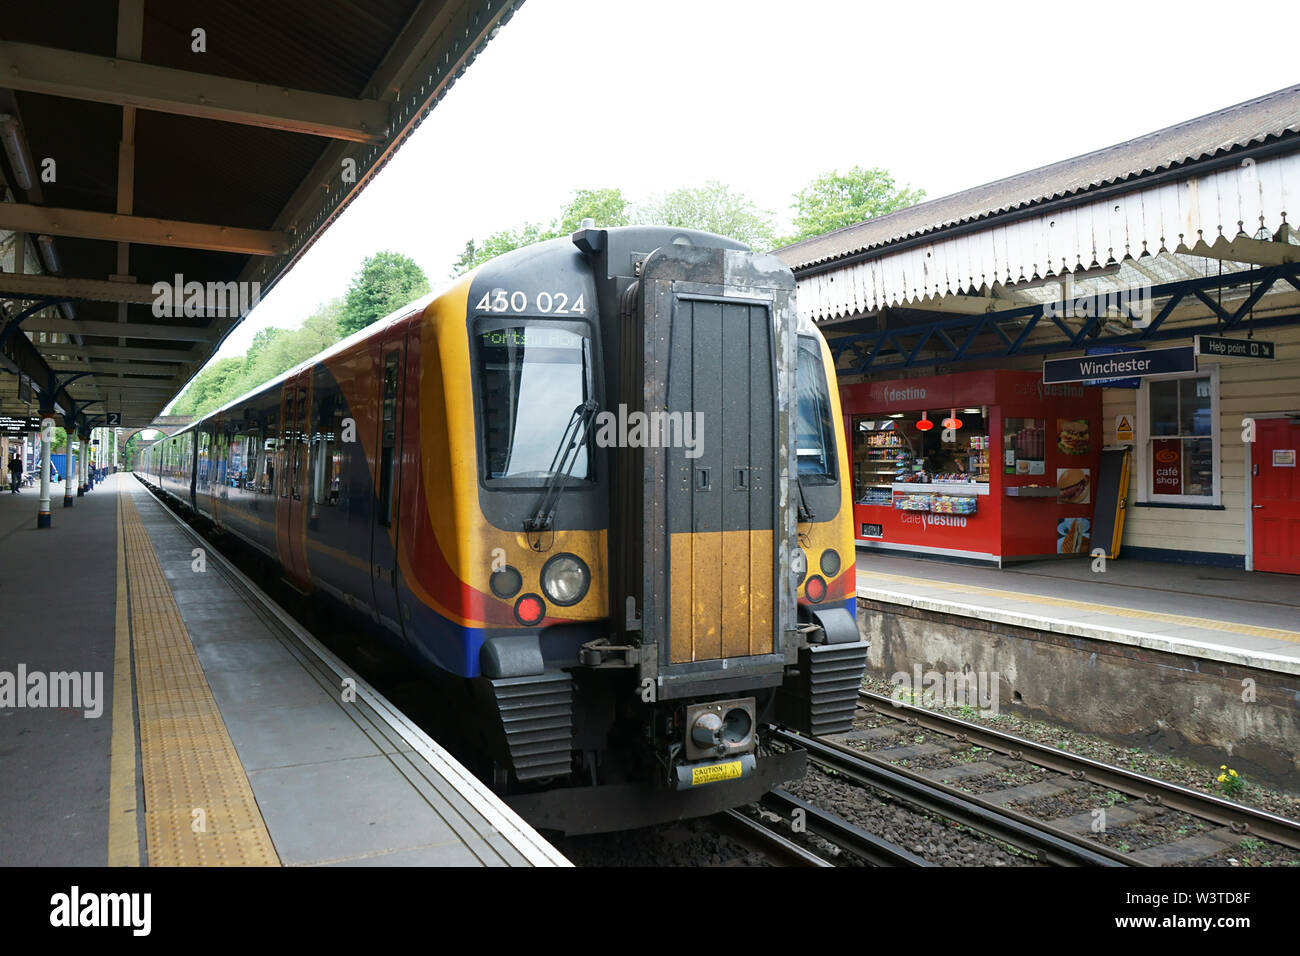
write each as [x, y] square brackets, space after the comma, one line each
[1120, 365]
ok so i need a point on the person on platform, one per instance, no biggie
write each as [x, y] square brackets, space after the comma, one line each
[15, 473]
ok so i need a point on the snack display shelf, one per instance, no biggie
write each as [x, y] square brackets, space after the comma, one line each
[942, 487]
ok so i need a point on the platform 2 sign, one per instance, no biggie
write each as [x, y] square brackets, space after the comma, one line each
[1234, 348]
[1124, 365]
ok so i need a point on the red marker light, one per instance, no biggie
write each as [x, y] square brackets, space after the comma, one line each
[529, 610]
[815, 589]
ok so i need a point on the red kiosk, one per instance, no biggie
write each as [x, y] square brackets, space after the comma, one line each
[992, 466]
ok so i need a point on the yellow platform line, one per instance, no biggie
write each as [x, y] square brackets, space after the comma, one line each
[123, 831]
[199, 809]
[1183, 620]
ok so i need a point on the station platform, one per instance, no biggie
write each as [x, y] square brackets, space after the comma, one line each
[1233, 617]
[152, 713]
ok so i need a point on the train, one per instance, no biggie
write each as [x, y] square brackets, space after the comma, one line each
[595, 492]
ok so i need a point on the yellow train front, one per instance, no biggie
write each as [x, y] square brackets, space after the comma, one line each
[597, 490]
[654, 435]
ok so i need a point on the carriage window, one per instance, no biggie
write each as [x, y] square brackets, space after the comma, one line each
[235, 459]
[220, 448]
[247, 475]
[300, 439]
[532, 378]
[327, 454]
[270, 454]
[814, 436]
[284, 460]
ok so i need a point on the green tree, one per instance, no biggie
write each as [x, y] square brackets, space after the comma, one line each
[713, 207]
[834, 200]
[272, 352]
[607, 207]
[129, 450]
[386, 281]
[499, 243]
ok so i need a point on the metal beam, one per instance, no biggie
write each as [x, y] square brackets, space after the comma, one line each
[181, 356]
[113, 368]
[93, 290]
[131, 330]
[123, 82]
[154, 232]
[1036, 336]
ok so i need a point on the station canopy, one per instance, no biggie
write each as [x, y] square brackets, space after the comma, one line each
[1186, 230]
[188, 142]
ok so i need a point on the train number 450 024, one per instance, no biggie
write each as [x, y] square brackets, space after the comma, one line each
[547, 303]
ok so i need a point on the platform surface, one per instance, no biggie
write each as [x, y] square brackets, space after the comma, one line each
[224, 734]
[1237, 617]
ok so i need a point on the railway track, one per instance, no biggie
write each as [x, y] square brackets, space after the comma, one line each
[1047, 844]
[1071, 840]
[1237, 817]
[773, 841]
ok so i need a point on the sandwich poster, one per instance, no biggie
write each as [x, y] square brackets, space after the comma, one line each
[1073, 486]
[1072, 436]
[1072, 535]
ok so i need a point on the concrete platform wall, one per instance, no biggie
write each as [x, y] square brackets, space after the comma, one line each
[1161, 702]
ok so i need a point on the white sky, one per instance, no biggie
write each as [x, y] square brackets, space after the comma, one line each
[764, 96]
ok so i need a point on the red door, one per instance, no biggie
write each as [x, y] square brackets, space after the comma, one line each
[1275, 495]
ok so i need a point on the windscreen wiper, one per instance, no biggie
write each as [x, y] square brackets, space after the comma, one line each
[562, 464]
[805, 513]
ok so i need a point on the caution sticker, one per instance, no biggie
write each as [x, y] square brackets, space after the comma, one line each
[715, 772]
[1123, 428]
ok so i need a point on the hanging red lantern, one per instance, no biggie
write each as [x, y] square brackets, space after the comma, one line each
[924, 425]
[952, 421]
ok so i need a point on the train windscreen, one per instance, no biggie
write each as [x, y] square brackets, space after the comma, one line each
[814, 435]
[531, 377]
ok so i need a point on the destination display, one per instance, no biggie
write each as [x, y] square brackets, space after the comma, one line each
[10, 425]
[1124, 365]
[1233, 348]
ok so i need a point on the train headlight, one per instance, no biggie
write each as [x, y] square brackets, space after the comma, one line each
[798, 565]
[565, 579]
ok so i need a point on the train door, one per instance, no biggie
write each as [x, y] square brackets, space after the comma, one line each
[711, 350]
[721, 508]
[290, 524]
[217, 473]
[384, 533]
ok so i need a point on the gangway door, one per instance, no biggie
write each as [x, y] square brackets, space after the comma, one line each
[713, 336]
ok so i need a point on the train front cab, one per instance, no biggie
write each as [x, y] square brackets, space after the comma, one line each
[707, 642]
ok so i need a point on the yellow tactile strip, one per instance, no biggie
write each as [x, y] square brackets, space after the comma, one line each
[199, 809]
[865, 577]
